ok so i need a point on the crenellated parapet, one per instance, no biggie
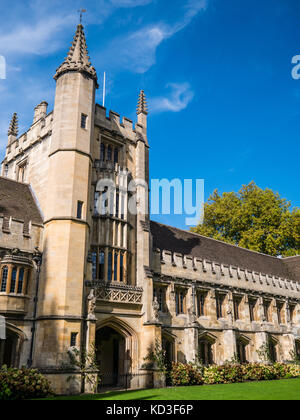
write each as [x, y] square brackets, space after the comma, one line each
[123, 129]
[186, 268]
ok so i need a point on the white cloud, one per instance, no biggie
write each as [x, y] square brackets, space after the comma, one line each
[137, 51]
[41, 38]
[179, 98]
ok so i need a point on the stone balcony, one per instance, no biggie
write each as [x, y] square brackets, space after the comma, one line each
[116, 292]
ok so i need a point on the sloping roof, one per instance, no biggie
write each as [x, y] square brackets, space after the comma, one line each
[17, 201]
[187, 243]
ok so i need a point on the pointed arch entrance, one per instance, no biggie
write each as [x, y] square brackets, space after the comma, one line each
[116, 345]
[10, 348]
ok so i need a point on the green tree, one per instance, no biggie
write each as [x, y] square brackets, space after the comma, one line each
[253, 218]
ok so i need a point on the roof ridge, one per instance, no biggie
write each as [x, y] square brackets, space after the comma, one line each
[217, 240]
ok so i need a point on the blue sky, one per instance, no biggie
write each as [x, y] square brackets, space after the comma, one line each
[223, 104]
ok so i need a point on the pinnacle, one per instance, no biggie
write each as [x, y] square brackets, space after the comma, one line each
[78, 58]
[13, 128]
[142, 104]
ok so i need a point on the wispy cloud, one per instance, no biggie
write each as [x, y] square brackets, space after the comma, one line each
[179, 98]
[137, 51]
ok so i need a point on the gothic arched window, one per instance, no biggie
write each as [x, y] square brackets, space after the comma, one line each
[4, 276]
[205, 353]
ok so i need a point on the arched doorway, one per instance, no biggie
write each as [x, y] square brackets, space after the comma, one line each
[111, 357]
[10, 349]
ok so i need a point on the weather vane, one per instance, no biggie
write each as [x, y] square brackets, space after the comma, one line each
[81, 11]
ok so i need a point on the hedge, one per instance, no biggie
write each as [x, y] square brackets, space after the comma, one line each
[192, 374]
[22, 384]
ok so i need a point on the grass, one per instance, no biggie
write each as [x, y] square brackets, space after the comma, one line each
[269, 391]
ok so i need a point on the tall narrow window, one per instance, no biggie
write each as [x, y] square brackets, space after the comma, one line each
[4, 276]
[6, 171]
[297, 344]
[116, 155]
[236, 304]
[241, 351]
[252, 305]
[160, 295]
[116, 258]
[180, 301]
[292, 312]
[83, 120]
[117, 204]
[122, 206]
[279, 307]
[266, 311]
[21, 281]
[201, 297]
[94, 265]
[101, 265]
[121, 268]
[102, 152]
[273, 351]
[79, 209]
[109, 153]
[220, 300]
[13, 280]
[205, 352]
[109, 269]
[73, 341]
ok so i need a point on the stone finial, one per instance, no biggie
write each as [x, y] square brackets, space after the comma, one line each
[14, 127]
[78, 59]
[142, 107]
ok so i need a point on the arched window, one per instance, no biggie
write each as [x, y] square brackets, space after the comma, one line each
[241, 351]
[205, 353]
[13, 280]
[4, 276]
[21, 281]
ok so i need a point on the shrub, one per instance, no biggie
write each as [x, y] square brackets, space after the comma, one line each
[185, 374]
[190, 374]
[21, 384]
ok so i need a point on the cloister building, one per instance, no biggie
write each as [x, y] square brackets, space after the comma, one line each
[74, 276]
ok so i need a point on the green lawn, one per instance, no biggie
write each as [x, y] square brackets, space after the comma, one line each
[270, 390]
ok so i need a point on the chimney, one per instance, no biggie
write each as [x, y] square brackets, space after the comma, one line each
[40, 111]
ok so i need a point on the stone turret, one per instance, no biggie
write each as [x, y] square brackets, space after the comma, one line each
[142, 110]
[13, 130]
[78, 59]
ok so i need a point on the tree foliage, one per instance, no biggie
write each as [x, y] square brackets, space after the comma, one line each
[253, 218]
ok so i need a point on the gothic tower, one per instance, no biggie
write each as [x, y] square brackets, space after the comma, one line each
[66, 214]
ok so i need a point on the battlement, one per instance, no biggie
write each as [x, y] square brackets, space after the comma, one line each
[186, 267]
[39, 130]
[112, 122]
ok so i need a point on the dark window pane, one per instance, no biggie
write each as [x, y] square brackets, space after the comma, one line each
[94, 263]
[116, 267]
[109, 270]
[102, 152]
[83, 120]
[21, 281]
[121, 268]
[101, 265]
[13, 280]
[116, 155]
[79, 209]
[4, 279]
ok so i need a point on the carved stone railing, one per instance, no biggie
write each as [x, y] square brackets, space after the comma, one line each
[116, 292]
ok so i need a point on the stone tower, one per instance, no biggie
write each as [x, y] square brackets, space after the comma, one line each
[66, 213]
